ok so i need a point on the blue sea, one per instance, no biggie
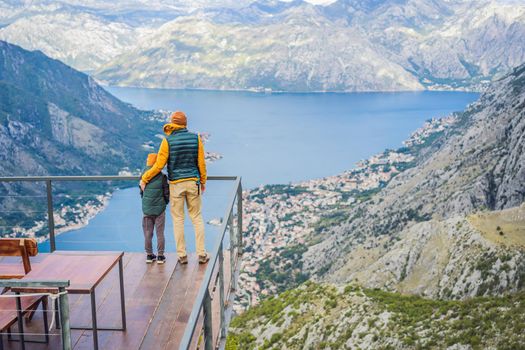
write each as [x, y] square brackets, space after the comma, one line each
[267, 139]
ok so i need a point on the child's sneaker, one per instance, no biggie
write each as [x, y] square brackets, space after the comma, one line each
[150, 258]
[161, 259]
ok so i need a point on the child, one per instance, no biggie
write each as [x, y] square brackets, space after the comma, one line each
[154, 200]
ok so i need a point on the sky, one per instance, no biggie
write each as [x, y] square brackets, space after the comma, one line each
[316, 2]
[321, 2]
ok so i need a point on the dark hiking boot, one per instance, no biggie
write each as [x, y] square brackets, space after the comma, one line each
[161, 259]
[203, 259]
[150, 258]
[183, 259]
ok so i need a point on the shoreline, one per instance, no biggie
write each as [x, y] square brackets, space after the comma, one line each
[83, 213]
[279, 217]
[264, 91]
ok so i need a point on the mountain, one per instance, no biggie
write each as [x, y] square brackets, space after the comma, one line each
[55, 120]
[431, 258]
[87, 34]
[346, 45]
[481, 40]
[437, 228]
[49, 108]
[298, 53]
[83, 35]
[63, 36]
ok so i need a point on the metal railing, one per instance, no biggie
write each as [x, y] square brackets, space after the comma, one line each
[232, 222]
[215, 273]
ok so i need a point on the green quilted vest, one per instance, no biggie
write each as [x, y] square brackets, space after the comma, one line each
[153, 202]
[183, 155]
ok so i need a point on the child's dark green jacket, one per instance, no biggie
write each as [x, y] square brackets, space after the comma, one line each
[156, 195]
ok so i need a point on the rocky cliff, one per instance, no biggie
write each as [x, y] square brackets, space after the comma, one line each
[63, 117]
[55, 120]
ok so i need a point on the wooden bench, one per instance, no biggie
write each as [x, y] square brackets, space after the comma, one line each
[17, 247]
[24, 248]
[9, 314]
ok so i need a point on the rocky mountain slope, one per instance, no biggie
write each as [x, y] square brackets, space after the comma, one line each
[82, 34]
[294, 55]
[62, 116]
[419, 234]
[80, 48]
[55, 120]
[346, 45]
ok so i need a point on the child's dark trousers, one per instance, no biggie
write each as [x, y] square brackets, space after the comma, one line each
[150, 222]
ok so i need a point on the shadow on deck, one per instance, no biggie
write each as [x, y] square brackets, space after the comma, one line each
[159, 301]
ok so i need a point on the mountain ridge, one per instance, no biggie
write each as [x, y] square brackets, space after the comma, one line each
[349, 45]
[415, 43]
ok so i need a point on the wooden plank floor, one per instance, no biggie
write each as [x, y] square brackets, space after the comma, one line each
[159, 300]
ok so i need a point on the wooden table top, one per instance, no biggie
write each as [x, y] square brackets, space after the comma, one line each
[84, 270]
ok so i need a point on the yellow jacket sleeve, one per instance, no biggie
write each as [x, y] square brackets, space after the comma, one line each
[202, 162]
[162, 159]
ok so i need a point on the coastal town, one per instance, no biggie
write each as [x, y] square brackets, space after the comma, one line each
[431, 126]
[275, 216]
[66, 218]
[281, 216]
[74, 216]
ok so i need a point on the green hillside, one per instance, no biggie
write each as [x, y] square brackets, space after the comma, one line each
[322, 316]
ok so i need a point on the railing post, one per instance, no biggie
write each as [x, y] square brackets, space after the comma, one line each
[208, 331]
[239, 219]
[64, 319]
[232, 250]
[50, 217]
[221, 291]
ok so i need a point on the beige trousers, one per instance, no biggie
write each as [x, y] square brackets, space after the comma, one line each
[187, 192]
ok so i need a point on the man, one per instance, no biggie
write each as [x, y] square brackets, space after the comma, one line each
[183, 153]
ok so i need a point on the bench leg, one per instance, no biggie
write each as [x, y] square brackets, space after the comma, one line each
[21, 338]
[94, 320]
[1, 341]
[46, 324]
[57, 315]
[20, 321]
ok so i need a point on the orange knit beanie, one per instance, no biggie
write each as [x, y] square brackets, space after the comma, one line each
[179, 118]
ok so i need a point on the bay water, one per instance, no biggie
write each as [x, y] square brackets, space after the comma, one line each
[266, 139]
